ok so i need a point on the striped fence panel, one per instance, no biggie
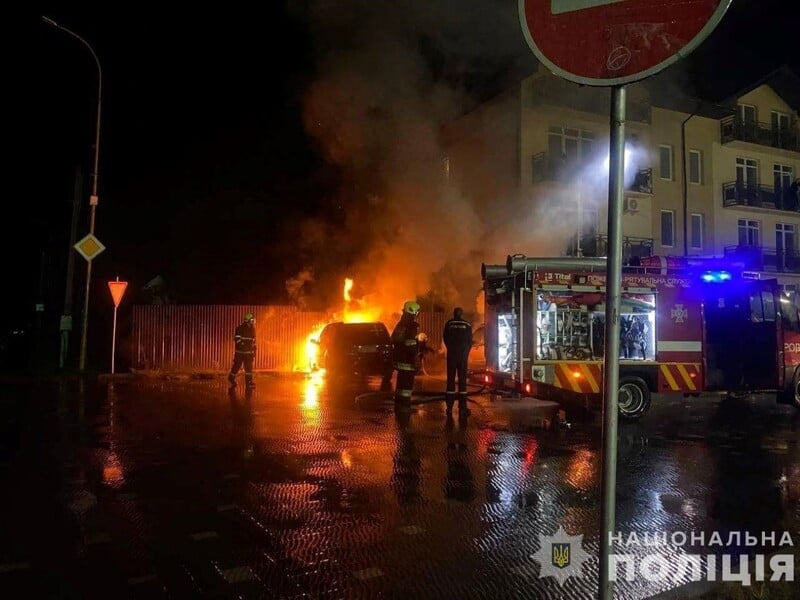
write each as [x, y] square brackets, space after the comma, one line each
[187, 337]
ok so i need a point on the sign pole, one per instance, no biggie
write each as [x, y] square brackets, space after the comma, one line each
[117, 289]
[114, 339]
[616, 179]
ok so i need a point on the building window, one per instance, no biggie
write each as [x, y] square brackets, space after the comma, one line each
[748, 233]
[747, 113]
[748, 122]
[695, 167]
[571, 144]
[779, 123]
[668, 228]
[746, 172]
[784, 243]
[782, 178]
[697, 231]
[665, 162]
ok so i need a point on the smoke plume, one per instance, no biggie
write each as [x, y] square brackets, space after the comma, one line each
[389, 76]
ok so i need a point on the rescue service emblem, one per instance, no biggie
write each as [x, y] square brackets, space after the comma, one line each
[679, 313]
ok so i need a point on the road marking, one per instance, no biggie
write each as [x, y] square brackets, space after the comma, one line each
[17, 566]
[239, 574]
[204, 535]
[231, 476]
[412, 529]
[142, 579]
[97, 538]
[370, 573]
[226, 507]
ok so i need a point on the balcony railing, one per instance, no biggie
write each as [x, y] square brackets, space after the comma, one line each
[553, 168]
[547, 167]
[762, 258]
[631, 247]
[737, 193]
[736, 128]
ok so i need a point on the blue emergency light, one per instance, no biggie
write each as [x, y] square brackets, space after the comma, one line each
[716, 276]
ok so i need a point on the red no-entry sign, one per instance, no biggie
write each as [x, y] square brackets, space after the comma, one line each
[613, 42]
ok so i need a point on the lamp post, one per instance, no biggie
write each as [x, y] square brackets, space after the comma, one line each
[93, 199]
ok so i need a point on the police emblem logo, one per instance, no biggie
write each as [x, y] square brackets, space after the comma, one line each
[560, 555]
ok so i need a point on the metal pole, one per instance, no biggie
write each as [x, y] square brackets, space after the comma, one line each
[114, 338]
[611, 374]
[66, 317]
[93, 199]
[684, 188]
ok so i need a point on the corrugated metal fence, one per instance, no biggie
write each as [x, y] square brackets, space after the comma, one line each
[177, 337]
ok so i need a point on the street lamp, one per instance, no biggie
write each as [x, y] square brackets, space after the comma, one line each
[93, 199]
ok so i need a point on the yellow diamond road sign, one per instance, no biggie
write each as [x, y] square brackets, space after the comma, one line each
[89, 247]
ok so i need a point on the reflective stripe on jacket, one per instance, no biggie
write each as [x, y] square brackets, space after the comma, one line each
[404, 344]
[245, 339]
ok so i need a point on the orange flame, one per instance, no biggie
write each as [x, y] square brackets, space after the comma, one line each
[357, 311]
[354, 311]
[348, 285]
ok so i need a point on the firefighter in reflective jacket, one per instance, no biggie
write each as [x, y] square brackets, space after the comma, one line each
[404, 355]
[245, 350]
[457, 338]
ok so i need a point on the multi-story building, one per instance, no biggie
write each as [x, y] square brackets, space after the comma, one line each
[701, 178]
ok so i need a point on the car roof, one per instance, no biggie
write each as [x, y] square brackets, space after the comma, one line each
[349, 329]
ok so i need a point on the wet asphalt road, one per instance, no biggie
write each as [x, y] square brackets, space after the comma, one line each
[145, 488]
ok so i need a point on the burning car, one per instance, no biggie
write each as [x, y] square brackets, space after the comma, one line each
[348, 350]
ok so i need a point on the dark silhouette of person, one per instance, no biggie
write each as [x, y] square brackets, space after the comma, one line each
[244, 339]
[457, 338]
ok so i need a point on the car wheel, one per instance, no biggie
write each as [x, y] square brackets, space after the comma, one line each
[633, 398]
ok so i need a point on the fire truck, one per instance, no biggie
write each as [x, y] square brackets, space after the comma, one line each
[686, 326]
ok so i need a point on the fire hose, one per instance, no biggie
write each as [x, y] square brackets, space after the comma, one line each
[419, 397]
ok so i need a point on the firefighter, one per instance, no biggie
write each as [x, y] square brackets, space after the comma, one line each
[245, 350]
[457, 338]
[404, 355]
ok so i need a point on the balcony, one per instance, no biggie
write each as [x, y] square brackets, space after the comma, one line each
[762, 258]
[554, 168]
[546, 167]
[631, 247]
[737, 193]
[735, 128]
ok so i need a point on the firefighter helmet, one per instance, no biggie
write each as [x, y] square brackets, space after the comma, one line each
[249, 317]
[411, 308]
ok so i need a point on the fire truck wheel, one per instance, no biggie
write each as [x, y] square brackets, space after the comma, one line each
[633, 397]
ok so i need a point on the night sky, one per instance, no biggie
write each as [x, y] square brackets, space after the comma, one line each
[206, 170]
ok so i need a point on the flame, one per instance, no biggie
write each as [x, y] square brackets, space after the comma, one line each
[354, 310]
[357, 311]
[312, 347]
[348, 285]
